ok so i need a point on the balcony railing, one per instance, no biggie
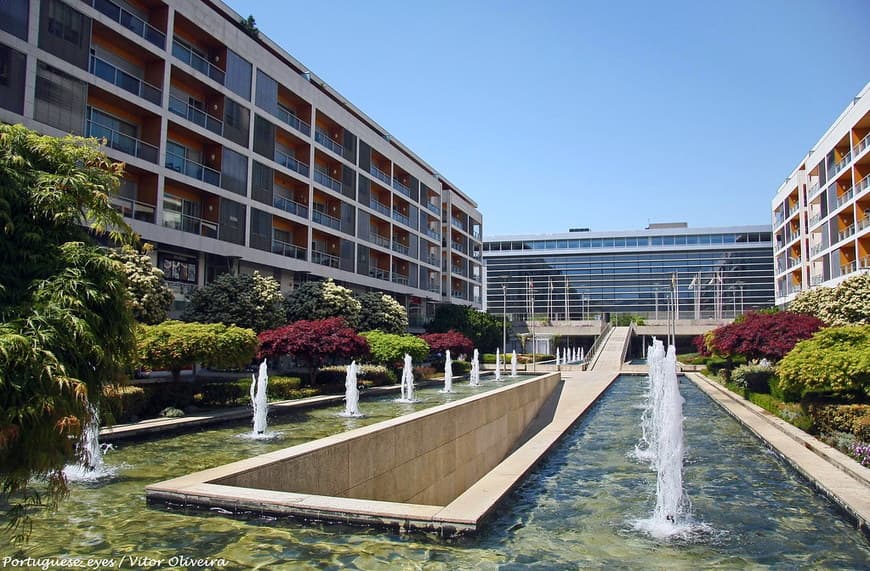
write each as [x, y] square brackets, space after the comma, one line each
[862, 185]
[816, 249]
[404, 189]
[190, 224]
[290, 206]
[432, 233]
[793, 262]
[379, 206]
[432, 259]
[863, 144]
[459, 271]
[132, 22]
[845, 232]
[382, 241]
[104, 70]
[814, 189]
[401, 248]
[291, 163]
[293, 121]
[434, 289]
[433, 208]
[401, 218]
[326, 180]
[862, 223]
[845, 197]
[326, 219]
[849, 268]
[192, 169]
[121, 142]
[184, 109]
[327, 142]
[458, 294]
[288, 250]
[864, 263]
[398, 278]
[459, 247]
[136, 210]
[458, 223]
[380, 175]
[379, 273]
[197, 62]
[793, 288]
[841, 164]
[324, 259]
[816, 279]
[814, 219]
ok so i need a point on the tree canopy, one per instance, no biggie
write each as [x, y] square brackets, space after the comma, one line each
[150, 297]
[763, 335]
[390, 348]
[174, 345]
[455, 342]
[381, 311]
[484, 330]
[251, 301]
[66, 328]
[317, 300]
[313, 342]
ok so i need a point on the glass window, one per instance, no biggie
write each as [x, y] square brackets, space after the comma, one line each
[267, 93]
[657, 241]
[60, 100]
[65, 23]
[12, 71]
[238, 77]
[237, 121]
[14, 17]
[234, 172]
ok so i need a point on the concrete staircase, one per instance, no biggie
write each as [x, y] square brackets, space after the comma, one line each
[611, 356]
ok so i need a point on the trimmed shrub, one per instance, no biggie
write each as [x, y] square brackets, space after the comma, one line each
[122, 403]
[755, 378]
[282, 388]
[422, 373]
[222, 394]
[835, 361]
[850, 418]
[461, 367]
[370, 375]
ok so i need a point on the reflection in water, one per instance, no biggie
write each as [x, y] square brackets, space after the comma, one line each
[574, 510]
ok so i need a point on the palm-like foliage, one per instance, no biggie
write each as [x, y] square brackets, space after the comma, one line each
[65, 324]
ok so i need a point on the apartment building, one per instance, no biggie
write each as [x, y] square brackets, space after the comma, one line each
[581, 275]
[821, 213]
[238, 157]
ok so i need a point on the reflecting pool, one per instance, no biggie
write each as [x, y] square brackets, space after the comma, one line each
[575, 510]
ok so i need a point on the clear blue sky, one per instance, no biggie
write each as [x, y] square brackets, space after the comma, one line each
[607, 115]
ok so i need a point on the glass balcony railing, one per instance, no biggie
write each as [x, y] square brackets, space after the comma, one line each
[458, 294]
[379, 273]
[291, 163]
[845, 197]
[380, 175]
[434, 289]
[136, 210]
[816, 279]
[863, 144]
[458, 223]
[190, 224]
[379, 206]
[326, 180]
[816, 249]
[192, 169]
[197, 62]
[814, 219]
[401, 248]
[130, 21]
[382, 241]
[326, 219]
[862, 185]
[840, 165]
[288, 250]
[432, 259]
[404, 189]
[290, 206]
[184, 109]
[459, 247]
[433, 208]
[324, 140]
[104, 70]
[814, 189]
[849, 268]
[864, 263]
[294, 121]
[862, 223]
[398, 278]
[459, 271]
[432, 233]
[324, 259]
[398, 216]
[122, 142]
[845, 232]
[793, 262]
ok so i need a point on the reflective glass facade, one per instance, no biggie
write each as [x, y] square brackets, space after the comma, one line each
[719, 272]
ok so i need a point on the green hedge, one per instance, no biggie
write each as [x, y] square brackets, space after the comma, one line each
[850, 418]
[370, 376]
[755, 378]
[122, 404]
[224, 394]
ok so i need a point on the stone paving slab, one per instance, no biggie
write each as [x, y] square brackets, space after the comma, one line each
[838, 476]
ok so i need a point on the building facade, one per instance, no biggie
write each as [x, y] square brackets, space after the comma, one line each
[580, 275]
[821, 213]
[238, 157]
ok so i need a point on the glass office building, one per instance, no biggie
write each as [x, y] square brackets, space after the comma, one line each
[582, 275]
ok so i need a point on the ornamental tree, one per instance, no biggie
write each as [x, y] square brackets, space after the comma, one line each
[150, 297]
[318, 300]
[454, 341]
[66, 328]
[389, 349]
[174, 345]
[846, 304]
[836, 360]
[313, 343]
[252, 301]
[484, 330]
[764, 335]
[381, 311]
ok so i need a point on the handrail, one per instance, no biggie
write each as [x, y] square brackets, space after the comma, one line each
[192, 169]
[599, 341]
[323, 178]
[290, 206]
[327, 142]
[121, 142]
[291, 163]
[197, 62]
[380, 175]
[126, 81]
[203, 119]
[284, 115]
[130, 21]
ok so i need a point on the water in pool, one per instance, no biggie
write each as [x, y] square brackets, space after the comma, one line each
[575, 510]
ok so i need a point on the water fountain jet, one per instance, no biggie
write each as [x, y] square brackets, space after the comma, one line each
[448, 373]
[474, 377]
[351, 394]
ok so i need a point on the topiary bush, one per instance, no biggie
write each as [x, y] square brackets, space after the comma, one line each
[122, 403]
[850, 418]
[369, 375]
[222, 394]
[461, 368]
[755, 378]
[282, 388]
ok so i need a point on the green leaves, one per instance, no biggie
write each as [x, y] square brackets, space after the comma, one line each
[312, 301]
[389, 348]
[150, 297]
[380, 311]
[835, 360]
[249, 301]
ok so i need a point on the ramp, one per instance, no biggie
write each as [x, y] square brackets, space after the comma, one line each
[611, 356]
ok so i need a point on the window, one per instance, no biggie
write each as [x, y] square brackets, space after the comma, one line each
[236, 122]
[238, 77]
[60, 100]
[14, 17]
[12, 70]
[234, 172]
[65, 23]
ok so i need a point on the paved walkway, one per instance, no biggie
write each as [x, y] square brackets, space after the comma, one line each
[610, 356]
[839, 477]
